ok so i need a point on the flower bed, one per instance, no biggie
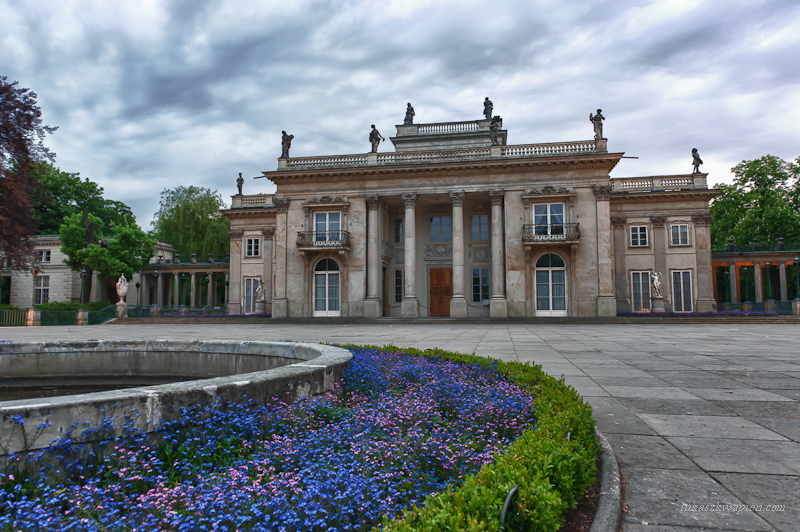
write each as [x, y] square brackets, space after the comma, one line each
[402, 432]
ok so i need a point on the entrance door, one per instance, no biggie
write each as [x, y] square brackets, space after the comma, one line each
[441, 291]
[551, 286]
[250, 295]
[326, 288]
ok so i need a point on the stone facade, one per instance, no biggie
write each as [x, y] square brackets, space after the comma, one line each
[450, 225]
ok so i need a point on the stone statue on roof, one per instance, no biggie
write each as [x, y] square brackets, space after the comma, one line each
[375, 138]
[239, 183]
[409, 119]
[494, 128]
[597, 120]
[286, 143]
[696, 161]
[488, 106]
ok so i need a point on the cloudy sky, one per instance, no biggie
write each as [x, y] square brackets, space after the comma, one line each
[150, 95]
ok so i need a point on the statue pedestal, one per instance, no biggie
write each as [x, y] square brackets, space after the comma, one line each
[796, 307]
[657, 304]
[122, 310]
[261, 307]
[33, 318]
[83, 317]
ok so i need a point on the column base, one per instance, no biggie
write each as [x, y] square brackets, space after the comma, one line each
[155, 311]
[458, 308]
[409, 308]
[121, 310]
[606, 306]
[83, 318]
[706, 305]
[796, 307]
[769, 306]
[33, 318]
[747, 306]
[498, 307]
[372, 308]
[657, 305]
[261, 307]
[280, 308]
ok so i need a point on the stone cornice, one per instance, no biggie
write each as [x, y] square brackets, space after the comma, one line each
[248, 213]
[666, 195]
[235, 233]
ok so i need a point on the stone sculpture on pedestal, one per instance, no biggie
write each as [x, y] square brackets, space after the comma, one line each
[696, 161]
[494, 128]
[488, 106]
[657, 300]
[286, 143]
[597, 121]
[239, 183]
[122, 291]
[261, 302]
[409, 119]
[375, 138]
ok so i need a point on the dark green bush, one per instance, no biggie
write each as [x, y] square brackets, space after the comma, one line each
[63, 305]
[9, 307]
[552, 470]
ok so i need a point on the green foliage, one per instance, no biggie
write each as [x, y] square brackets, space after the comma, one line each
[63, 305]
[129, 248]
[762, 203]
[66, 194]
[9, 307]
[552, 472]
[189, 218]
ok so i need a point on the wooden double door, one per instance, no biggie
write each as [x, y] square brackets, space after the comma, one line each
[441, 285]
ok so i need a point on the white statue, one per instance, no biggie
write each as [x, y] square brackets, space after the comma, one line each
[260, 291]
[656, 276]
[122, 287]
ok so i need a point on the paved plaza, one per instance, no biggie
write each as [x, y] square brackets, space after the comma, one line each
[697, 414]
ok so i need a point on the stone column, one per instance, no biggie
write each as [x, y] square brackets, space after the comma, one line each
[193, 291]
[498, 304]
[160, 290]
[210, 289]
[620, 271]
[144, 300]
[732, 270]
[782, 277]
[280, 304]
[372, 305]
[759, 287]
[458, 303]
[227, 291]
[267, 246]
[410, 305]
[660, 251]
[176, 287]
[606, 301]
[234, 297]
[705, 284]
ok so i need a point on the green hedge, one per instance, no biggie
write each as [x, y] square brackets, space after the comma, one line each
[63, 305]
[552, 472]
[9, 307]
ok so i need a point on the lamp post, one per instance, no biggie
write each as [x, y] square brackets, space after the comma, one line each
[769, 282]
[84, 276]
[227, 284]
[746, 273]
[155, 278]
[206, 281]
[138, 295]
[35, 273]
[725, 276]
[797, 277]
[183, 289]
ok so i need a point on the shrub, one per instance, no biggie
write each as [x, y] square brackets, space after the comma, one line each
[63, 305]
[9, 307]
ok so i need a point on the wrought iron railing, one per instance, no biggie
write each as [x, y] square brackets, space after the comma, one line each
[58, 317]
[323, 239]
[96, 317]
[139, 311]
[550, 232]
[12, 318]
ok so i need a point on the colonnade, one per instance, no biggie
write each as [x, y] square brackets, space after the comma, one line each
[168, 285]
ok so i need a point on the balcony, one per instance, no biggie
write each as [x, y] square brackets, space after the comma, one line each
[550, 234]
[323, 240]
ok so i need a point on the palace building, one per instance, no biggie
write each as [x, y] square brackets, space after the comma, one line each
[456, 222]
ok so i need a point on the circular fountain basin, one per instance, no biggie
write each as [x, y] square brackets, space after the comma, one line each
[207, 371]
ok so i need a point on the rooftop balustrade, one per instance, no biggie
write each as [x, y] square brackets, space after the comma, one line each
[646, 184]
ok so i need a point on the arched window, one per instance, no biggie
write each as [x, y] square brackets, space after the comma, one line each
[326, 288]
[551, 286]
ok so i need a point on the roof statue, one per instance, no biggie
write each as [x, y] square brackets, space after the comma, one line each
[375, 138]
[286, 143]
[488, 106]
[696, 161]
[597, 120]
[409, 119]
[239, 183]
[494, 127]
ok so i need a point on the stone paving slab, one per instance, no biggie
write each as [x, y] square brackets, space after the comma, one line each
[723, 427]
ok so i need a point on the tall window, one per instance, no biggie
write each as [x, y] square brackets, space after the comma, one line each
[551, 286]
[326, 288]
[251, 249]
[549, 219]
[639, 236]
[398, 286]
[250, 294]
[441, 229]
[327, 226]
[480, 227]
[41, 290]
[682, 291]
[640, 284]
[43, 255]
[398, 230]
[680, 235]
[480, 285]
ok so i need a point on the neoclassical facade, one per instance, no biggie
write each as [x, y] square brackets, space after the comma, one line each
[456, 222]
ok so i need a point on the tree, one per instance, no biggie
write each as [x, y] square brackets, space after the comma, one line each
[762, 203]
[66, 193]
[110, 250]
[189, 218]
[21, 145]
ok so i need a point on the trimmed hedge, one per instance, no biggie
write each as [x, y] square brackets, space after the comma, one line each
[63, 305]
[5, 306]
[553, 464]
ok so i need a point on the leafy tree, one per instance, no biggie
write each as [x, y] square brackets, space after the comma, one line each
[762, 203]
[66, 193]
[21, 145]
[189, 218]
[110, 250]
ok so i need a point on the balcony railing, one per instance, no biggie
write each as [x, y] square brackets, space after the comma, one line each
[549, 233]
[323, 239]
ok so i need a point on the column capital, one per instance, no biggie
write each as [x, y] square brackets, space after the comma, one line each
[409, 199]
[235, 233]
[732, 263]
[701, 219]
[756, 263]
[603, 192]
[282, 204]
[658, 220]
[497, 195]
[457, 197]
[373, 202]
[619, 221]
[268, 232]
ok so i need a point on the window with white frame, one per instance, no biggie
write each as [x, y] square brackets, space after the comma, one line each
[43, 255]
[640, 291]
[480, 285]
[41, 290]
[682, 291]
[639, 236]
[680, 234]
[327, 226]
[548, 219]
[398, 230]
[250, 294]
[398, 286]
[441, 228]
[252, 248]
[480, 227]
